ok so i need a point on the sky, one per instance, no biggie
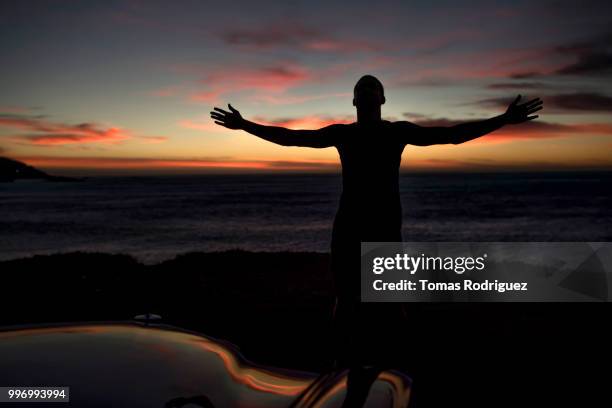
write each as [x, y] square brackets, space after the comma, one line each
[126, 87]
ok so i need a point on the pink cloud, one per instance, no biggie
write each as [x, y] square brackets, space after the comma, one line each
[270, 83]
[273, 78]
[112, 135]
[46, 133]
[208, 96]
[276, 78]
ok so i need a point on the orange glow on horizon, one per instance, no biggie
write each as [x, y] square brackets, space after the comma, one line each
[305, 122]
[144, 163]
[419, 164]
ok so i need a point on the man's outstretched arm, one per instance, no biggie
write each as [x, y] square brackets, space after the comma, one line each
[319, 138]
[426, 136]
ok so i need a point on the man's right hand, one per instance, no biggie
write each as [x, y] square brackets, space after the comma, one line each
[520, 113]
[231, 120]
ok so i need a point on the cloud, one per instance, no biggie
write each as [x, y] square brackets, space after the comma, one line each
[284, 33]
[293, 34]
[207, 96]
[274, 77]
[112, 135]
[591, 57]
[518, 85]
[414, 116]
[576, 102]
[593, 102]
[525, 75]
[51, 133]
[528, 130]
[41, 132]
[457, 66]
[277, 78]
[588, 64]
[270, 83]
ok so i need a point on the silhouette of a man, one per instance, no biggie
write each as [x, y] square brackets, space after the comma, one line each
[370, 210]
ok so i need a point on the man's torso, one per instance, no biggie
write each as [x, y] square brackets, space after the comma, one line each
[370, 204]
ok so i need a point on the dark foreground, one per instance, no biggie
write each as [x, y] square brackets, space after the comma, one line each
[277, 308]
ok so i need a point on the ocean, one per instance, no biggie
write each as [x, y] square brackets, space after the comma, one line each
[156, 218]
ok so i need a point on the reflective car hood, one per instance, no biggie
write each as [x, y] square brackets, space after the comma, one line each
[131, 364]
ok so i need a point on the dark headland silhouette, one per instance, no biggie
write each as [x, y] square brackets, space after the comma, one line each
[366, 339]
[11, 170]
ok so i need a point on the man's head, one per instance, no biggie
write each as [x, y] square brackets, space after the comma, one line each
[368, 92]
